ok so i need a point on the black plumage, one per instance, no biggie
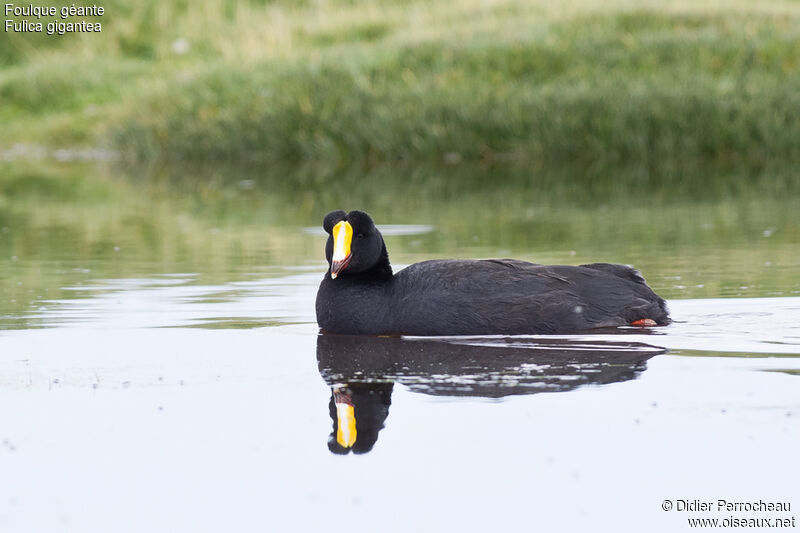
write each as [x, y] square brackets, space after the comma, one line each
[473, 297]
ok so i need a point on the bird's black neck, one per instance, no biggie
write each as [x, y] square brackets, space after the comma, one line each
[381, 272]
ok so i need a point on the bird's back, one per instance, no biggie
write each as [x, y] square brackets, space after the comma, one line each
[454, 297]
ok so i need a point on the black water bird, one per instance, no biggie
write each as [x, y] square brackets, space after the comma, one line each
[361, 295]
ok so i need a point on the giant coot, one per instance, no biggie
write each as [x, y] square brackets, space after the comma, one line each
[361, 295]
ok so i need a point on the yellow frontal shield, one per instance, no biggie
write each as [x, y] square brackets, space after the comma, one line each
[346, 421]
[342, 238]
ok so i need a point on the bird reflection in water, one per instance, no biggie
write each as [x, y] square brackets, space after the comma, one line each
[358, 433]
[361, 372]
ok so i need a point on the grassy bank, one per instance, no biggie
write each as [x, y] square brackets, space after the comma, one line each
[344, 82]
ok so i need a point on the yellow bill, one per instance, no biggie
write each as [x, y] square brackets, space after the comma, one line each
[346, 434]
[342, 238]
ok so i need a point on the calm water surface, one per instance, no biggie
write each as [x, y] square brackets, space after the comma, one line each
[161, 368]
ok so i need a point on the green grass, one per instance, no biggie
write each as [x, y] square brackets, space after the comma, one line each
[352, 82]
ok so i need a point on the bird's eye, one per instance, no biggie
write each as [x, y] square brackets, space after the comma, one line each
[359, 236]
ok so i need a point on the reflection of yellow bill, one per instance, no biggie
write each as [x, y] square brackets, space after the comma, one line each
[346, 415]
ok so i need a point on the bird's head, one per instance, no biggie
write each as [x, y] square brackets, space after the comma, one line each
[354, 243]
